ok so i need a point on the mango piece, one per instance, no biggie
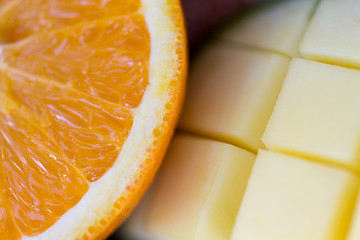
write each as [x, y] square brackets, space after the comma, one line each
[197, 192]
[333, 34]
[292, 198]
[232, 91]
[317, 114]
[305, 186]
[279, 28]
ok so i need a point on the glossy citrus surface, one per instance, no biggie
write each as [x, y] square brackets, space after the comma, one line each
[72, 73]
[22, 18]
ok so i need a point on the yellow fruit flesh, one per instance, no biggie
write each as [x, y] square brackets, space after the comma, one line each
[332, 37]
[317, 114]
[78, 73]
[315, 121]
[268, 29]
[191, 208]
[292, 198]
[249, 100]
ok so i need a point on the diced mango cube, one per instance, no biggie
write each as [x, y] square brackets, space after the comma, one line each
[197, 192]
[333, 34]
[232, 91]
[317, 114]
[279, 28]
[292, 198]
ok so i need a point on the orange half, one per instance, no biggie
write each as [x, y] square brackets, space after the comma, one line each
[91, 92]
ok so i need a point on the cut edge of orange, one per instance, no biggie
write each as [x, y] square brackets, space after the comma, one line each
[112, 198]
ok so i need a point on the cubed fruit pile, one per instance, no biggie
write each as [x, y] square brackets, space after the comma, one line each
[269, 140]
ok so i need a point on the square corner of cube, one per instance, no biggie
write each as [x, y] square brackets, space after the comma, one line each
[293, 198]
[333, 33]
[264, 26]
[198, 178]
[317, 114]
[231, 93]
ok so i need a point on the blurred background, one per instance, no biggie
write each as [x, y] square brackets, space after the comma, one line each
[202, 18]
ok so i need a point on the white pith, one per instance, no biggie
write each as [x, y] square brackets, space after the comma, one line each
[102, 194]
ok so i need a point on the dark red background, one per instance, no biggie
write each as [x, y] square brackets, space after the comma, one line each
[203, 16]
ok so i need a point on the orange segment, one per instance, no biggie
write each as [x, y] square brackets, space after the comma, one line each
[31, 16]
[87, 112]
[97, 129]
[4, 4]
[8, 229]
[38, 180]
[108, 58]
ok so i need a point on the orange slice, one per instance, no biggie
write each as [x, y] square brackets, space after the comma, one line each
[91, 91]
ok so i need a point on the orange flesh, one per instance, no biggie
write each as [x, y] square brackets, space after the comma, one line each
[33, 16]
[38, 181]
[108, 58]
[69, 94]
[8, 229]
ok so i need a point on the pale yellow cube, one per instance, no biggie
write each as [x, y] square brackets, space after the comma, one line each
[231, 93]
[334, 33]
[317, 114]
[197, 192]
[290, 198]
[277, 26]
